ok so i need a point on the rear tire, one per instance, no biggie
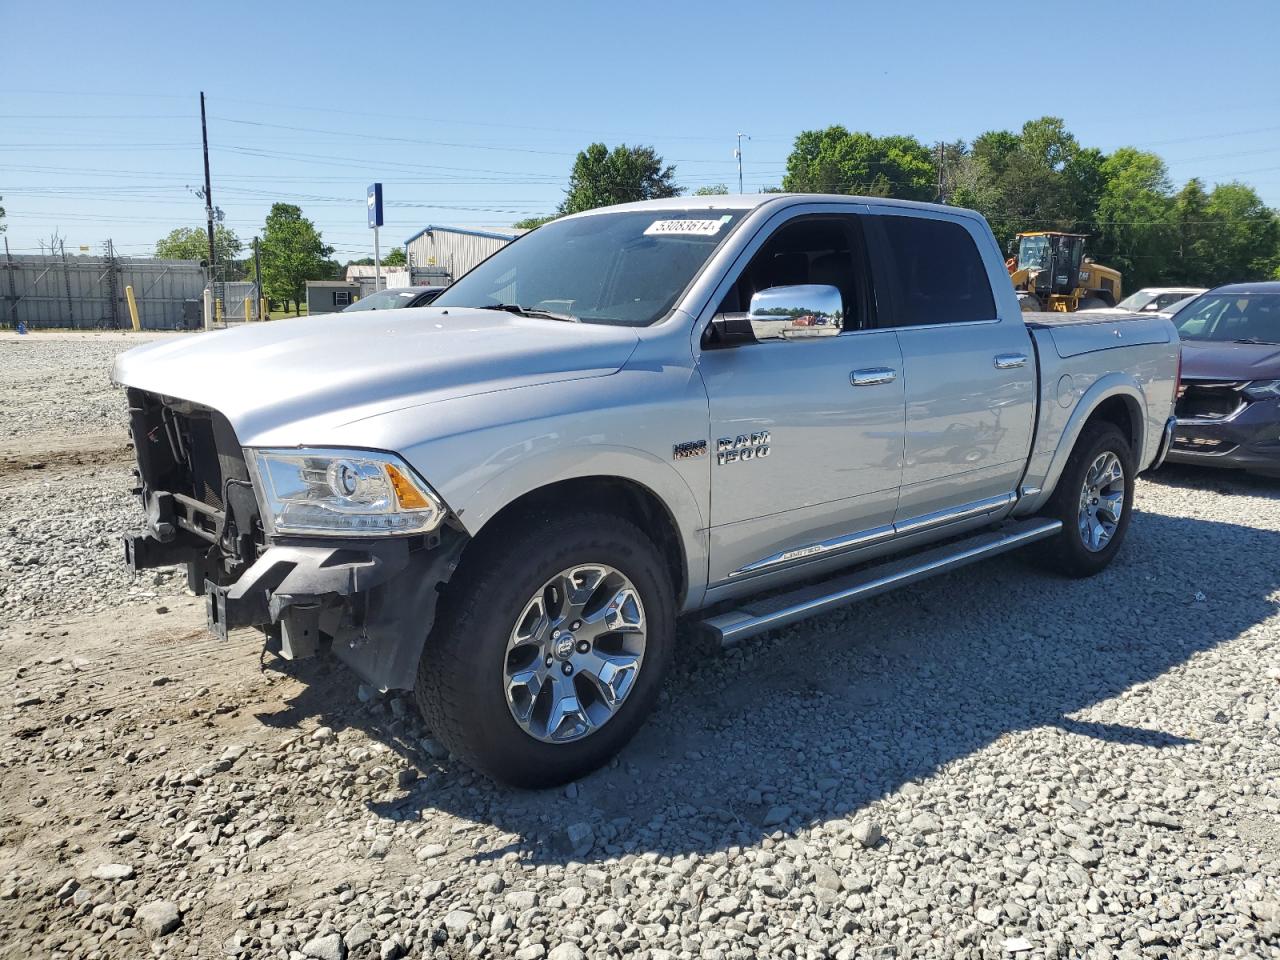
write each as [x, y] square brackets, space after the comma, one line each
[1087, 499]
[1093, 303]
[491, 678]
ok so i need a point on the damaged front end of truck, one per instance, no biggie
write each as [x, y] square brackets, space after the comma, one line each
[314, 547]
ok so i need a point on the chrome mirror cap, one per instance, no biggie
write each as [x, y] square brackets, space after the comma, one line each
[796, 312]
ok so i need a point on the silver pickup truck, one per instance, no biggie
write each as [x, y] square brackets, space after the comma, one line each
[739, 411]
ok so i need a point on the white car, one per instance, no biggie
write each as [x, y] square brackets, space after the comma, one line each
[1152, 300]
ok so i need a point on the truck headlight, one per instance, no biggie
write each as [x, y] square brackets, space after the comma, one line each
[354, 493]
[1262, 390]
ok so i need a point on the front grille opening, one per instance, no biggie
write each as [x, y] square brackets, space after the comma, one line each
[192, 453]
[202, 455]
[1201, 400]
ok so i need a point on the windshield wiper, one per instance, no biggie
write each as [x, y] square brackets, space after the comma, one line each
[520, 311]
[1254, 340]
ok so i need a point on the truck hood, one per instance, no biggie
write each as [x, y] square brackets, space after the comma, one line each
[1214, 360]
[289, 381]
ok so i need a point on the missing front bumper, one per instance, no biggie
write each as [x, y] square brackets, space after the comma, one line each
[373, 603]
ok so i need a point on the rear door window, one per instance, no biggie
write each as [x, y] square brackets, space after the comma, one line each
[936, 273]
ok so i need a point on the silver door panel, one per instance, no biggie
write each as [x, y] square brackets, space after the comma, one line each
[834, 450]
[969, 421]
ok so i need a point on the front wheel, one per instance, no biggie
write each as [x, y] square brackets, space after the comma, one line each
[550, 648]
[1094, 501]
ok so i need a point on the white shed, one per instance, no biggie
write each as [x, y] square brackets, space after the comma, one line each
[440, 254]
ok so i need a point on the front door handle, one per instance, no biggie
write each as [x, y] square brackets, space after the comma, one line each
[873, 375]
[1008, 361]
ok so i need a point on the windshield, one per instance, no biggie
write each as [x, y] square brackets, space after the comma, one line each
[1136, 301]
[383, 300]
[1033, 252]
[1151, 300]
[1232, 317]
[625, 269]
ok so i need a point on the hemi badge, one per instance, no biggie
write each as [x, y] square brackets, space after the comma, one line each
[688, 450]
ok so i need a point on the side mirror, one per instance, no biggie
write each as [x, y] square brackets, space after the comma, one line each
[800, 311]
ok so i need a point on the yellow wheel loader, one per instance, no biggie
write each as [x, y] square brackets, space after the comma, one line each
[1050, 272]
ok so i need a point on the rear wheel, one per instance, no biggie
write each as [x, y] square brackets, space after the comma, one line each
[1093, 303]
[1094, 500]
[550, 649]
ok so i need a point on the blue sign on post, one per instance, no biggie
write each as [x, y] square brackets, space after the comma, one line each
[375, 205]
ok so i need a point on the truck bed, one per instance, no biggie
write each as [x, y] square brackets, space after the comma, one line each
[1077, 351]
[1075, 333]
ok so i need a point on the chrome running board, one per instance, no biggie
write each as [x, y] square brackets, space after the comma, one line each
[780, 610]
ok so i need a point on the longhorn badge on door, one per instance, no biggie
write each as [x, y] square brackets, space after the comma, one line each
[745, 446]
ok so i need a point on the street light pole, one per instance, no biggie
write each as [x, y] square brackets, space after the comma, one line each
[738, 154]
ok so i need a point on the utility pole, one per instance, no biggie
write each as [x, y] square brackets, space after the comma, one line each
[208, 187]
[738, 155]
[13, 287]
[942, 194]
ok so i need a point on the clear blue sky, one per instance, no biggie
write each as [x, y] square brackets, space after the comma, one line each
[470, 113]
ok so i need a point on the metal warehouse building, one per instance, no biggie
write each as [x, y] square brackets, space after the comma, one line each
[440, 254]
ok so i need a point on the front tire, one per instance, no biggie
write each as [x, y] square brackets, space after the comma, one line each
[1094, 501]
[549, 649]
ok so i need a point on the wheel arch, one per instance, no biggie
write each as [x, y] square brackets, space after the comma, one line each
[1113, 399]
[655, 498]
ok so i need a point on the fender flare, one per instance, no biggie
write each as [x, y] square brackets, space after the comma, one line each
[1103, 389]
[614, 462]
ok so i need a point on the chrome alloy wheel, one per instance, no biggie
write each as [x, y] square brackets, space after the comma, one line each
[575, 653]
[1101, 501]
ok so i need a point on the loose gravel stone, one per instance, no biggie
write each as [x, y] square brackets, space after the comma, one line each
[457, 922]
[159, 917]
[327, 947]
[113, 872]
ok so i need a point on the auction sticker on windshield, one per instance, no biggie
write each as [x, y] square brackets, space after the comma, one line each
[696, 228]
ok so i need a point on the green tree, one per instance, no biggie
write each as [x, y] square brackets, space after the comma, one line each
[1192, 259]
[1037, 179]
[192, 243]
[292, 253]
[601, 177]
[712, 190]
[532, 223]
[1242, 236]
[835, 160]
[395, 258]
[1136, 222]
[2, 223]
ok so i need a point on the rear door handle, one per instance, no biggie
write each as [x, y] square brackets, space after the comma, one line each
[873, 375]
[1007, 361]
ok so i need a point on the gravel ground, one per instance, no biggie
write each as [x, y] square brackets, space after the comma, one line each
[60, 531]
[996, 763]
